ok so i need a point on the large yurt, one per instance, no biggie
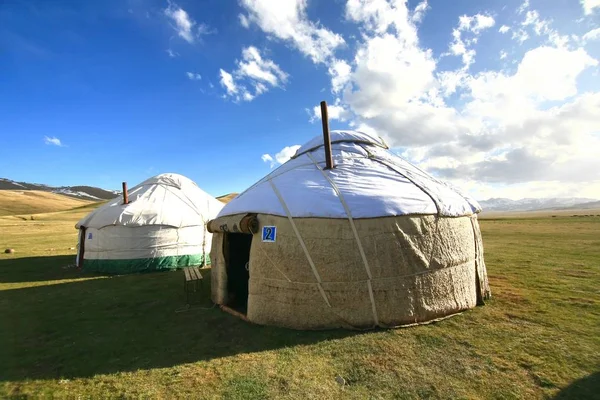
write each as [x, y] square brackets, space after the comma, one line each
[159, 224]
[359, 239]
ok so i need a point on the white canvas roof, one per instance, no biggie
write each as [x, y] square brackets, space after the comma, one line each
[368, 179]
[166, 199]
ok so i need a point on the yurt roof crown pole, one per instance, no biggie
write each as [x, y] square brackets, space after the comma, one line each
[326, 136]
[125, 198]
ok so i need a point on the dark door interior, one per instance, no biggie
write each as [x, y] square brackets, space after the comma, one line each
[237, 256]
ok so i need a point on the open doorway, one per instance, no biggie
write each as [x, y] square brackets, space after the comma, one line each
[237, 256]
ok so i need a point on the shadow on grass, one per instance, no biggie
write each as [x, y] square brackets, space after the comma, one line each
[117, 324]
[585, 388]
[37, 269]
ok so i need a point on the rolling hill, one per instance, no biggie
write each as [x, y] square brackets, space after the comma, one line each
[80, 192]
[226, 198]
[27, 202]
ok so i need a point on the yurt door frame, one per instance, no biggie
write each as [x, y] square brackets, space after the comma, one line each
[237, 261]
[81, 249]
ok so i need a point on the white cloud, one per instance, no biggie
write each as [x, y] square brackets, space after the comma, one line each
[473, 24]
[259, 69]
[339, 70]
[503, 54]
[504, 29]
[532, 17]
[194, 77]
[594, 34]
[541, 27]
[335, 111]
[524, 6]
[227, 82]
[589, 6]
[387, 67]
[171, 53]
[521, 35]
[419, 12]
[255, 71]
[287, 20]
[184, 25]
[285, 154]
[244, 21]
[459, 48]
[53, 141]
[378, 16]
[556, 81]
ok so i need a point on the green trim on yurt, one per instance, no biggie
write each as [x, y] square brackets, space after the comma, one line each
[144, 264]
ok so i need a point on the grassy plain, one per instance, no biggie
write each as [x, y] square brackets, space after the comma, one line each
[68, 334]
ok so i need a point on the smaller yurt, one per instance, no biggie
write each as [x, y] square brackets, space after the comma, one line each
[346, 234]
[159, 224]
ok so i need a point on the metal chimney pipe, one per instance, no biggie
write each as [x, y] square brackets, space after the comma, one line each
[125, 198]
[326, 136]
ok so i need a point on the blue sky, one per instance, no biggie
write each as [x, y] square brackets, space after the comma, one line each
[101, 92]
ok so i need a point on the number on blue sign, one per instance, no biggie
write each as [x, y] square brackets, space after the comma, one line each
[269, 234]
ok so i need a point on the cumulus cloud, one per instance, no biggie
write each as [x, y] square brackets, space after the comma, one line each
[335, 111]
[227, 82]
[378, 16]
[184, 25]
[419, 12]
[339, 70]
[288, 21]
[520, 35]
[53, 141]
[504, 29]
[589, 6]
[523, 7]
[594, 34]
[474, 24]
[534, 24]
[282, 156]
[253, 76]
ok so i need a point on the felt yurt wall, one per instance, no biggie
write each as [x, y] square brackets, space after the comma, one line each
[372, 242]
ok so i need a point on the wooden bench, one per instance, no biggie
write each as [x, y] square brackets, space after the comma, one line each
[191, 278]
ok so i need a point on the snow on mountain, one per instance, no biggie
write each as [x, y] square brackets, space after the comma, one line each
[70, 192]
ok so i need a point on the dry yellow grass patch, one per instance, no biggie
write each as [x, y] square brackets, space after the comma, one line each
[26, 202]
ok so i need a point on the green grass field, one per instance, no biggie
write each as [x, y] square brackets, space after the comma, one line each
[68, 334]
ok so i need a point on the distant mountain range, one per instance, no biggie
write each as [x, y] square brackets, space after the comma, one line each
[531, 204]
[80, 192]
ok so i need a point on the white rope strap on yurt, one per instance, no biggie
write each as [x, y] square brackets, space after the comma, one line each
[355, 231]
[308, 257]
[273, 264]
[394, 167]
